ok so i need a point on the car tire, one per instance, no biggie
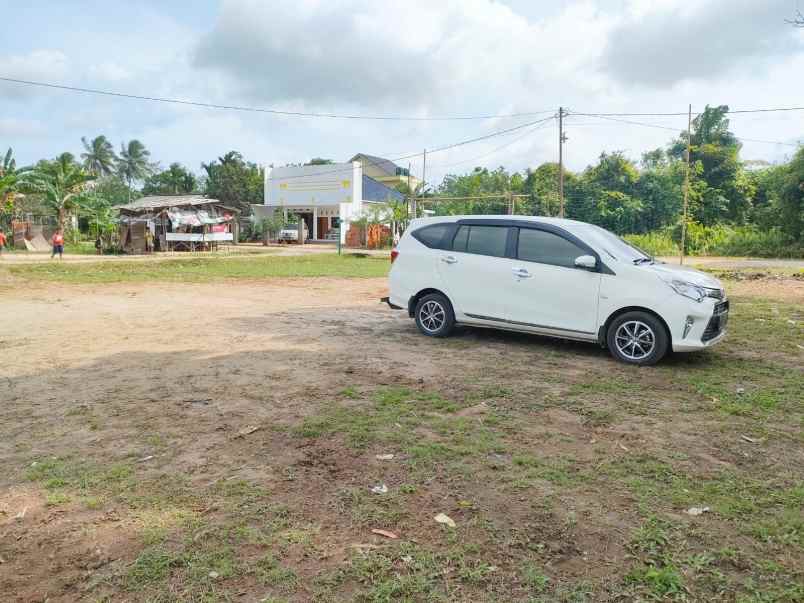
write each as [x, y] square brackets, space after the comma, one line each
[637, 338]
[434, 315]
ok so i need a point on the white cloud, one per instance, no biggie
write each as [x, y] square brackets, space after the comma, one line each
[11, 127]
[418, 55]
[38, 65]
[659, 44]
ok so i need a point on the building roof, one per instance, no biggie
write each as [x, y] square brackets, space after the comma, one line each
[165, 201]
[386, 165]
[377, 191]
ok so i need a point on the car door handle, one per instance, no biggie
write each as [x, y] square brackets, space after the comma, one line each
[521, 273]
[449, 259]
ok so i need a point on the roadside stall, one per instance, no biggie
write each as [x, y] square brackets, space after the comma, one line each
[176, 223]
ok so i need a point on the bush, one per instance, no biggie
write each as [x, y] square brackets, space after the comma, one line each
[718, 240]
[659, 242]
[737, 241]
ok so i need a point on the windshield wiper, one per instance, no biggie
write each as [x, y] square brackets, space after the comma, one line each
[643, 260]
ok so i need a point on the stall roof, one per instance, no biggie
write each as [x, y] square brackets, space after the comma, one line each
[167, 201]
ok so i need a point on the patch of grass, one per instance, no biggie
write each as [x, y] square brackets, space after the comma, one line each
[367, 509]
[749, 388]
[660, 582]
[559, 471]
[152, 565]
[391, 417]
[207, 269]
[269, 571]
[56, 498]
[533, 577]
[350, 392]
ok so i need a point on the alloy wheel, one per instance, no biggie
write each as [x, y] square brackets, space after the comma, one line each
[635, 340]
[432, 316]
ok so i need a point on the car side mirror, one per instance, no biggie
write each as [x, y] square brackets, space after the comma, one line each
[586, 261]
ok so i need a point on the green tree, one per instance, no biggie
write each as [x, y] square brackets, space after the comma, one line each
[60, 182]
[607, 195]
[133, 164]
[481, 182]
[542, 186]
[234, 181]
[98, 156]
[12, 180]
[715, 151]
[792, 198]
[173, 181]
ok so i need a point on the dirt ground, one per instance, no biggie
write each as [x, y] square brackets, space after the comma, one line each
[221, 421]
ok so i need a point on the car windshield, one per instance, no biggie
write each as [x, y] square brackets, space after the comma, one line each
[610, 243]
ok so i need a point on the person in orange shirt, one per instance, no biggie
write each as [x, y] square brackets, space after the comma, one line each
[58, 244]
[2, 241]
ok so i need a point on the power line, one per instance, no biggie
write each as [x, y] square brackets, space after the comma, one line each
[496, 150]
[206, 105]
[646, 125]
[435, 150]
[680, 113]
[354, 116]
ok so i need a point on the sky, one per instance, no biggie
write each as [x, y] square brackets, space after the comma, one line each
[415, 58]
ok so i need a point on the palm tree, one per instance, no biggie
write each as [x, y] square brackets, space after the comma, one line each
[12, 180]
[60, 182]
[179, 179]
[99, 158]
[133, 163]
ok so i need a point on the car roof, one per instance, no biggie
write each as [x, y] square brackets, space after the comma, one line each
[569, 225]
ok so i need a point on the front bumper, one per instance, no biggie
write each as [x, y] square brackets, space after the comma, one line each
[705, 331]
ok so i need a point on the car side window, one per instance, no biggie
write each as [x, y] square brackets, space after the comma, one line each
[481, 240]
[461, 237]
[431, 236]
[547, 248]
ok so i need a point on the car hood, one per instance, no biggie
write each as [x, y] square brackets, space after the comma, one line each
[696, 277]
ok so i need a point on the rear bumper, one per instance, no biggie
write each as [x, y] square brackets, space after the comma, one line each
[393, 306]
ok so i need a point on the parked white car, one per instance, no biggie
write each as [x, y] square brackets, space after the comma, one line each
[553, 277]
[290, 233]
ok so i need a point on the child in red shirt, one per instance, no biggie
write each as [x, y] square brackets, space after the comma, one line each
[58, 244]
[2, 240]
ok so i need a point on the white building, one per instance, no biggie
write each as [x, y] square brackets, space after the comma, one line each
[326, 197]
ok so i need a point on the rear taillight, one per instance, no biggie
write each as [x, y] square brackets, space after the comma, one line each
[394, 255]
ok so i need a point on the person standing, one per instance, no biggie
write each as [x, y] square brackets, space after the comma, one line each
[2, 241]
[149, 240]
[58, 244]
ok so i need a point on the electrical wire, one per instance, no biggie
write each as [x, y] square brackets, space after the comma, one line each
[206, 105]
[680, 113]
[496, 150]
[646, 125]
[429, 151]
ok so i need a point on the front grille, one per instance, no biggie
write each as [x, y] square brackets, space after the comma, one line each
[717, 323]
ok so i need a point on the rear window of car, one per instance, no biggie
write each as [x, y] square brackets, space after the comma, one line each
[481, 240]
[431, 236]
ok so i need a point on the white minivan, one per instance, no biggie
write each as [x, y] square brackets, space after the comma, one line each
[553, 277]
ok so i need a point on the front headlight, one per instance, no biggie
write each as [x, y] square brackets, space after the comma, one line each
[690, 290]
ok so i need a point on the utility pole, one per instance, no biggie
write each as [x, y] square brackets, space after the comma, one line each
[412, 196]
[686, 185]
[561, 139]
[424, 169]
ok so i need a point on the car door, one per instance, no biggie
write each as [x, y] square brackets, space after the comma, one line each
[475, 270]
[548, 290]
